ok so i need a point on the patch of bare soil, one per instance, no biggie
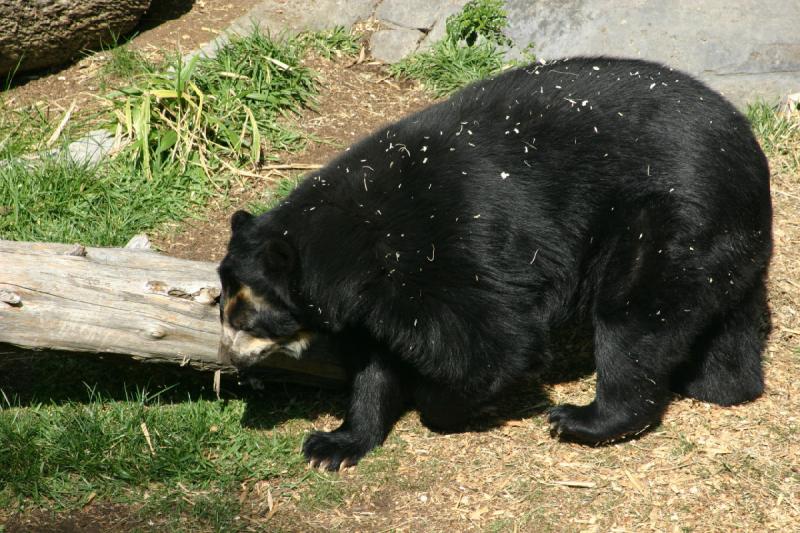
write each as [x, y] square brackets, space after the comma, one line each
[97, 518]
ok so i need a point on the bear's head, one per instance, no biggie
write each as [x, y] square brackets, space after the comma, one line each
[257, 313]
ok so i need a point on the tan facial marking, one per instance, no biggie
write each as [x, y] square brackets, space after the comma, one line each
[242, 344]
[245, 294]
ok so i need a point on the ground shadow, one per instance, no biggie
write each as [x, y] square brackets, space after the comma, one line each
[161, 11]
[53, 377]
[30, 377]
[571, 359]
[267, 409]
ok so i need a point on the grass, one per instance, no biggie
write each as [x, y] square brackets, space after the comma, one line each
[779, 135]
[204, 112]
[470, 51]
[450, 65]
[124, 62]
[56, 199]
[59, 455]
[335, 42]
[23, 130]
[82, 438]
[274, 195]
[184, 125]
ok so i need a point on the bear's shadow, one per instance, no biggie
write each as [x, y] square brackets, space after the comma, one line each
[26, 378]
[571, 359]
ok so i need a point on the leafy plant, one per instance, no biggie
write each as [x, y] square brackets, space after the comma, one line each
[479, 18]
[471, 50]
[203, 111]
[334, 42]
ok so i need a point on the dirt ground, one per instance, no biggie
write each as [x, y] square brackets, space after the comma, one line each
[706, 468]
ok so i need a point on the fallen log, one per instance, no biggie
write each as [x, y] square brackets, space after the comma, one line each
[127, 301]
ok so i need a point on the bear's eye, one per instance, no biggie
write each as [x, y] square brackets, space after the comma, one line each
[284, 325]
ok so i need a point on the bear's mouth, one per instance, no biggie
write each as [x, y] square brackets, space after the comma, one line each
[242, 350]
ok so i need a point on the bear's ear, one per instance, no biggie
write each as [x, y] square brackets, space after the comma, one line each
[239, 220]
[278, 256]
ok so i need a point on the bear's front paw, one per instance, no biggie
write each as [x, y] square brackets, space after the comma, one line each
[334, 450]
[588, 425]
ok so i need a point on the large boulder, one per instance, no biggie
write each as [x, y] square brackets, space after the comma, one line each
[41, 33]
[748, 49]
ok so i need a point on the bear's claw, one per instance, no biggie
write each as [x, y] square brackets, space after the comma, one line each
[333, 451]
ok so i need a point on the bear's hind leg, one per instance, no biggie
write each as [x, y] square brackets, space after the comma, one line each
[633, 370]
[442, 408]
[726, 361]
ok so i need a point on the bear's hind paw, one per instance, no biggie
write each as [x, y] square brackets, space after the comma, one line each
[587, 425]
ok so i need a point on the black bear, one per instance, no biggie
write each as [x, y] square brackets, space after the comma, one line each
[442, 250]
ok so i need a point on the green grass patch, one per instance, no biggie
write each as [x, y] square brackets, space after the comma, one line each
[55, 199]
[273, 196]
[451, 65]
[124, 62]
[62, 453]
[471, 50]
[56, 455]
[79, 437]
[204, 111]
[24, 130]
[184, 125]
[778, 134]
[335, 42]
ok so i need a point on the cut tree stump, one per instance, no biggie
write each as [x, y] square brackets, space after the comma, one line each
[128, 301]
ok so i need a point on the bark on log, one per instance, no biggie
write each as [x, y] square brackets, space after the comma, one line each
[127, 301]
[44, 33]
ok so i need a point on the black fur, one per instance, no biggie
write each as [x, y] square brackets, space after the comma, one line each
[443, 249]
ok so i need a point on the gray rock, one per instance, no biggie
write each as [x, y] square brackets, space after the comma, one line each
[415, 14]
[91, 150]
[747, 50]
[301, 15]
[394, 44]
[437, 32]
[41, 33]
